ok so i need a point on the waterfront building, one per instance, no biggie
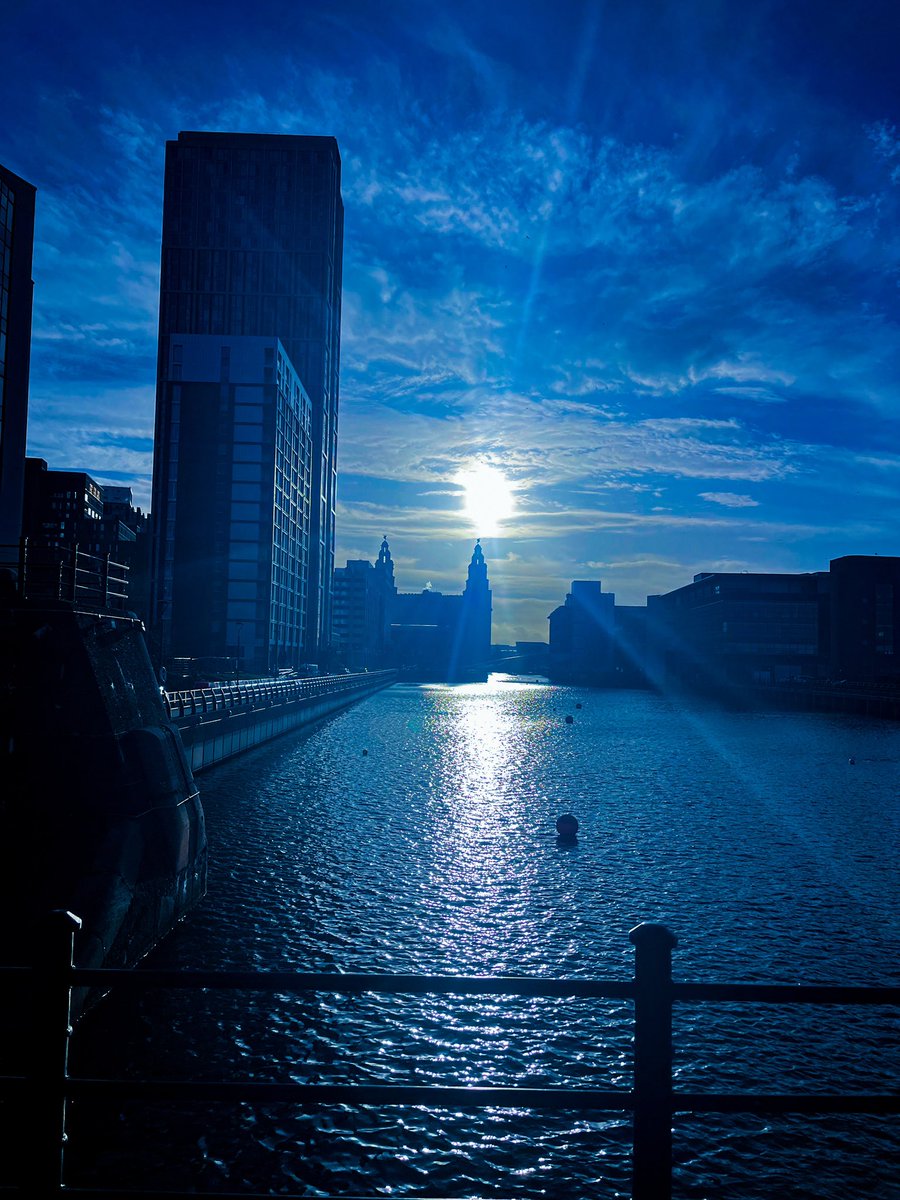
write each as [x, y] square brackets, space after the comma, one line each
[16, 292]
[865, 617]
[582, 634]
[238, 423]
[252, 248]
[427, 634]
[363, 595]
[438, 636]
[728, 629]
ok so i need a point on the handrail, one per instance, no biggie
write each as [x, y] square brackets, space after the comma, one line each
[652, 1099]
[50, 571]
[258, 693]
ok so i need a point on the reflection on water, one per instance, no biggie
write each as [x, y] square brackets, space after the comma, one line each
[751, 836]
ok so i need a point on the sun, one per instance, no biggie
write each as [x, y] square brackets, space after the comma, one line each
[489, 498]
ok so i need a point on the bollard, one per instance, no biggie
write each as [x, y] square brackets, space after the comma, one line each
[652, 1145]
[51, 1024]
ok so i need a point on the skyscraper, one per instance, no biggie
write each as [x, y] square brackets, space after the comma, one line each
[16, 289]
[252, 248]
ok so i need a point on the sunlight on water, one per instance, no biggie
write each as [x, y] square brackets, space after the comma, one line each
[436, 852]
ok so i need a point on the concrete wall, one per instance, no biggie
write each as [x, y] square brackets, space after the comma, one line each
[210, 738]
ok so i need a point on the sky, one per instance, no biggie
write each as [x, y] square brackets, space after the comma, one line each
[640, 259]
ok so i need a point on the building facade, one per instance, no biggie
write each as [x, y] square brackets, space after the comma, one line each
[16, 292]
[427, 634]
[865, 617]
[361, 612]
[252, 248]
[234, 567]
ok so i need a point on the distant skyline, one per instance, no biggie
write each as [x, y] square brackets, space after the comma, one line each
[642, 259]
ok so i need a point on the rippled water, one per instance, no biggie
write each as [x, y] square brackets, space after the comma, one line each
[416, 833]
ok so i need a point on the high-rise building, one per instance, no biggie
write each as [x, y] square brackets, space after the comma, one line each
[239, 427]
[16, 290]
[252, 248]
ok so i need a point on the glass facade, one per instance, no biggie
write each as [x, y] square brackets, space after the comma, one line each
[252, 248]
[16, 246]
[238, 480]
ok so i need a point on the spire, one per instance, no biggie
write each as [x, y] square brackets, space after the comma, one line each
[384, 554]
[477, 576]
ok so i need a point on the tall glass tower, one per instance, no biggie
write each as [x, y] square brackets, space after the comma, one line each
[16, 246]
[252, 247]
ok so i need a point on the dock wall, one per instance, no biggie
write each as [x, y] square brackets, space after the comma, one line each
[218, 723]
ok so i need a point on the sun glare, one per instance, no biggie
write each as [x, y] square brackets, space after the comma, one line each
[488, 499]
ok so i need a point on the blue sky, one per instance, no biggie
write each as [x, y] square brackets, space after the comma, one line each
[641, 257]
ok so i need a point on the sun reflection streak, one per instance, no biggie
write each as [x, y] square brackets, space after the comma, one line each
[472, 851]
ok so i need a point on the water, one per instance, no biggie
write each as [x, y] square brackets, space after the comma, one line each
[416, 833]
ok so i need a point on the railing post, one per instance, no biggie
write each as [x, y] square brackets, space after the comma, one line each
[104, 575]
[652, 1150]
[51, 1017]
[23, 566]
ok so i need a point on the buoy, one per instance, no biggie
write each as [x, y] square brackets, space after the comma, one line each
[852, 762]
[570, 720]
[578, 706]
[365, 752]
[567, 826]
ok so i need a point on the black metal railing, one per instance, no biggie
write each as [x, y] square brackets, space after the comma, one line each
[48, 571]
[259, 693]
[652, 1099]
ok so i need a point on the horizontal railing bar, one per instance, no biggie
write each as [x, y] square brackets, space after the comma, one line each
[423, 1095]
[750, 1103]
[89, 1193]
[455, 1096]
[784, 993]
[293, 981]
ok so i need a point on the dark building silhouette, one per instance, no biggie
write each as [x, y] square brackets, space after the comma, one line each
[16, 294]
[361, 613]
[252, 248]
[428, 634]
[67, 509]
[595, 641]
[435, 636]
[865, 617]
[727, 630]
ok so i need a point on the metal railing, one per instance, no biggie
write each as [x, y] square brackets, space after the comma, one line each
[261, 693]
[47, 571]
[652, 1099]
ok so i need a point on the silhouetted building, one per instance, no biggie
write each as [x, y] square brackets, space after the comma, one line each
[61, 505]
[865, 617]
[475, 632]
[361, 620]
[118, 505]
[70, 509]
[726, 630]
[440, 637]
[582, 635]
[252, 248]
[16, 293]
[238, 543]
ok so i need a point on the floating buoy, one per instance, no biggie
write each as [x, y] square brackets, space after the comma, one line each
[570, 720]
[567, 826]
[365, 752]
[852, 762]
